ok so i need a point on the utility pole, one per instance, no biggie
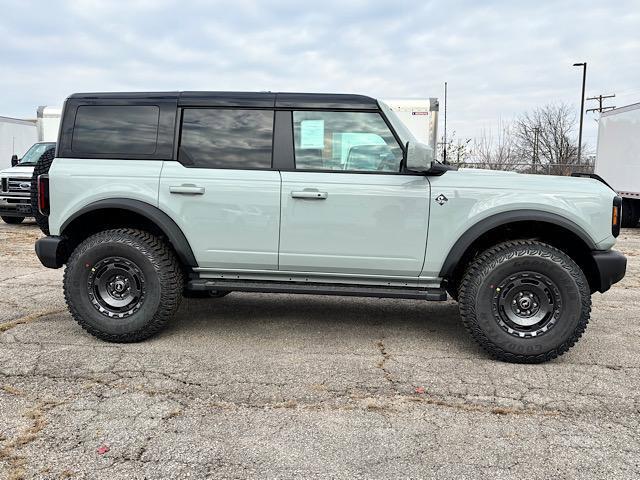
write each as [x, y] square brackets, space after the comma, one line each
[600, 108]
[444, 154]
[584, 81]
[536, 133]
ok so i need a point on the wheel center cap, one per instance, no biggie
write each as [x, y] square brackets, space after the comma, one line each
[524, 302]
[119, 286]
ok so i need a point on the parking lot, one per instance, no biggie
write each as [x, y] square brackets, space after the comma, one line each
[257, 385]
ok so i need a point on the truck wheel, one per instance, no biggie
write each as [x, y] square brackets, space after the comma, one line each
[525, 301]
[42, 167]
[13, 220]
[123, 285]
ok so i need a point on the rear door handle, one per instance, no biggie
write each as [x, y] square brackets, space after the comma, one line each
[310, 194]
[187, 189]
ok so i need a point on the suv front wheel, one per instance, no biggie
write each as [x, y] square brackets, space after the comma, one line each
[525, 301]
[123, 285]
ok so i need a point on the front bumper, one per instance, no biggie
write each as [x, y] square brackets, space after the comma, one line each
[15, 207]
[611, 267]
[51, 251]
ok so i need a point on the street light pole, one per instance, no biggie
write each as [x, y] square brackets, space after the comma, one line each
[584, 81]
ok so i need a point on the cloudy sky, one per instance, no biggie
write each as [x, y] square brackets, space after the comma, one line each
[500, 58]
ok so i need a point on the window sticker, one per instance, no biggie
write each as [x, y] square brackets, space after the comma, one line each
[312, 134]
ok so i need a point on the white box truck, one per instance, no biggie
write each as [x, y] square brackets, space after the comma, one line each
[420, 115]
[48, 123]
[618, 158]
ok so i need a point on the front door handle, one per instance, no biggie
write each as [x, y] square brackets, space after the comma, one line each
[187, 189]
[310, 194]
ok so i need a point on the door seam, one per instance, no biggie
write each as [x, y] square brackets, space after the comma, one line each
[279, 223]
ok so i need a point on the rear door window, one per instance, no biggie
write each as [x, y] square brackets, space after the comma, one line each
[124, 129]
[226, 138]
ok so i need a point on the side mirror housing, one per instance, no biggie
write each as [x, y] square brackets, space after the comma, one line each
[14, 160]
[419, 157]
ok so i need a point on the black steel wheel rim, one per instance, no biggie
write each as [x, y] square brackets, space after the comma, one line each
[527, 304]
[116, 287]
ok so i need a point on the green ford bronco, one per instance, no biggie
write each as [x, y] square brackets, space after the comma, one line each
[152, 196]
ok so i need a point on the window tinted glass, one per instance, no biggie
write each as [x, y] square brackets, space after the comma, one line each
[226, 138]
[355, 141]
[116, 129]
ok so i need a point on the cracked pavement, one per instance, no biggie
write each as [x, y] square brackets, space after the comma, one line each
[282, 386]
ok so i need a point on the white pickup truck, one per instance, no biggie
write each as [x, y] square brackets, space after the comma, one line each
[15, 184]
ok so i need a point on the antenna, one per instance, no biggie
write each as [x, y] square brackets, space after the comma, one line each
[444, 154]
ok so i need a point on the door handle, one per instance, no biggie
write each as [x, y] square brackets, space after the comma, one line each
[187, 189]
[310, 194]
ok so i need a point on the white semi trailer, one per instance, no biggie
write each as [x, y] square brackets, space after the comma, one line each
[618, 158]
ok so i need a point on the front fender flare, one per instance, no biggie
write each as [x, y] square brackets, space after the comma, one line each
[504, 218]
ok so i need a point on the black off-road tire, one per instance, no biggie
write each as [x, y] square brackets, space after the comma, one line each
[497, 274]
[206, 293]
[159, 277]
[13, 220]
[42, 167]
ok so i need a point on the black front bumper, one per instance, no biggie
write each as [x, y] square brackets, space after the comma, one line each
[611, 267]
[16, 210]
[51, 251]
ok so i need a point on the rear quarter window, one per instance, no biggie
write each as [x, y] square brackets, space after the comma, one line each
[123, 130]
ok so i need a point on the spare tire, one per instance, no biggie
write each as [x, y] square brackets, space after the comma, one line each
[42, 167]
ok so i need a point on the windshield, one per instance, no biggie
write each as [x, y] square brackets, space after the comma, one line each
[34, 153]
[401, 129]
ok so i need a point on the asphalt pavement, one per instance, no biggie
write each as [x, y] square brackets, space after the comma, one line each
[284, 386]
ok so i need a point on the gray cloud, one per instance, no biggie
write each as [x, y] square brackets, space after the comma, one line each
[500, 58]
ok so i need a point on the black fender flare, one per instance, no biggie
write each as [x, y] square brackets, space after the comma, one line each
[504, 218]
[163, 221]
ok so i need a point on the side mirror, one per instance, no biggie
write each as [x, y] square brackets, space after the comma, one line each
[14, 160]
[419, 157]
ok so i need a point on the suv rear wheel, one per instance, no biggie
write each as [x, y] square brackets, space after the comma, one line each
[525, 301]
[123, 285]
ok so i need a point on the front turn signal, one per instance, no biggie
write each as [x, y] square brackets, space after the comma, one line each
[616, 216]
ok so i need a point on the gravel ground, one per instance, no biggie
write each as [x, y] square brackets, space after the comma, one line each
[280, 386]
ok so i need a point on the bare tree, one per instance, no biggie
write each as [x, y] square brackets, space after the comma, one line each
[458, 150]
[545, 137]
[496, 152]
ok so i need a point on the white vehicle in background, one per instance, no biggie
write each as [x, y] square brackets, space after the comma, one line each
[48, 123]
[15, 184]
[19, 136]
[618, 158]
[420, 115]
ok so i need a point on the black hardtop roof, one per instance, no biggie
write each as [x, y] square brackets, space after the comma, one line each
[244, 99]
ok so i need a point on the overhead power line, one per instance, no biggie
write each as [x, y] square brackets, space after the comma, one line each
[600, 107]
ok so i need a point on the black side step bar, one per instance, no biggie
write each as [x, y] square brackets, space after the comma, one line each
[432, 294]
